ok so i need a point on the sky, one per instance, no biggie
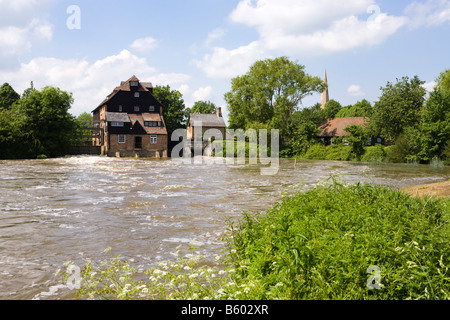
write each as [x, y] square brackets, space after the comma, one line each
[197, 46]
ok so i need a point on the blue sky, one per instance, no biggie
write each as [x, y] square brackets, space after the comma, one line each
[198, 46]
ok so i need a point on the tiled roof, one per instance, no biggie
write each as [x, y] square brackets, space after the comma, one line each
[125, 86]
[149, 117]
[208, 120]
[117, 117]
[335, 127]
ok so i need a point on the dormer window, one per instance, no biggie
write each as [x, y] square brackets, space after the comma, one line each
[134, 83]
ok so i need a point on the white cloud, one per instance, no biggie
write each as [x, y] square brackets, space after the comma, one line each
[214, 35]
[224, 63]
[144, 45]
[429, 86]
[89, 82]
[355, 91]
[301, 27]
[203, 93]
[20, 27]
[429, 13]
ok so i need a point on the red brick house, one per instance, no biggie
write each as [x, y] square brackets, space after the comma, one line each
[131, 122]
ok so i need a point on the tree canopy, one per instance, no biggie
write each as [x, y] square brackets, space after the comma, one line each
[173, 107]
[269, 93]
[38, 123]
[398, 107]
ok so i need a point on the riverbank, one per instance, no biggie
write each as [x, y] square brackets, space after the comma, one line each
[439, 189]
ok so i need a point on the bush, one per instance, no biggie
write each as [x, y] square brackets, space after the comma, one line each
[339, 152]
[320, 243]
[317, 152]
[374, 154]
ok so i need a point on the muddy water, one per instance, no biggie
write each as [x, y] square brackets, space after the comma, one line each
[71, 209]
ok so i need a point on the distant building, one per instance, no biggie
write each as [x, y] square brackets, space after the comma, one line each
[131, 122]
[335, 128]
[213, 122]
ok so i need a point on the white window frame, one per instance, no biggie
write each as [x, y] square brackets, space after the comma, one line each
[134, 83]
[136, 94]
[151, 109]
[123, 140]
[117, 124]
[153, 139]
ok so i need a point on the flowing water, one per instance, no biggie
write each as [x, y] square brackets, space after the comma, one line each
[72, 209]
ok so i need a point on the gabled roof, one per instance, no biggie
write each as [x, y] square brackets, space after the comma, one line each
[335, 127]
[125, 86]
[208, 120]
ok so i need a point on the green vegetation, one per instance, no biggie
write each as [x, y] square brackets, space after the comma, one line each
[201, 107]
[173, 107]
[318, 244]
[268, 95]
[36, 124]
[315, 244]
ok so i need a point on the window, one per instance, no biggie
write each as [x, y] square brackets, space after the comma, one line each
[136, 109]
[152, 123]
[151, 108]
[136, 94]
[153, 139]
[116, 124]
[122, 139]
[120, 109]
[134, 83]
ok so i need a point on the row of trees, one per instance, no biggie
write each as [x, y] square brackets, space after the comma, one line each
[269, 96]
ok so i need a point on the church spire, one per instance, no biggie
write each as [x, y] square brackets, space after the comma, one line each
[325, 97]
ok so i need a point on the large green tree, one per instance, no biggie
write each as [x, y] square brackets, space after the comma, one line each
[7, 96]
[362, 108]
[49, 126]
[173, 107]
[398, 107]
[443, 81]
[269, 93]
[203, 107]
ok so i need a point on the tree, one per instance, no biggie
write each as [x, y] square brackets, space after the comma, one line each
[203, 107]
[331, 108]
[443, 81]
[430, 138]
[304, 129]
[173, 107]
[7, 96]
[398, 108]
[269, 93]
[47, 124]
[362, 108]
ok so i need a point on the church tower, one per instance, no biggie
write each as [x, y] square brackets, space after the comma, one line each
[325, 97]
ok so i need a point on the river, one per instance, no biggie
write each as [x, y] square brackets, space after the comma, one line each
[72, 209]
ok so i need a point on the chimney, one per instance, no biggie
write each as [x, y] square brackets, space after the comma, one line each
[219, 112]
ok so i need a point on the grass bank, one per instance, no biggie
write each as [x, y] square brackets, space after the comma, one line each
[333, 241]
